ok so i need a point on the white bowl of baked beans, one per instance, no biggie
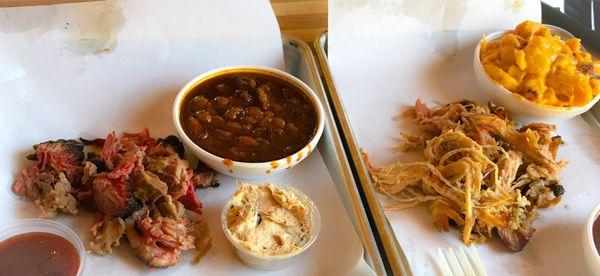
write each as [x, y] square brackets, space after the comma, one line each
[248, 121]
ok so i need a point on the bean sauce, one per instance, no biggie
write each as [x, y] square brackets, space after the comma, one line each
[38, 253]
[248, 117]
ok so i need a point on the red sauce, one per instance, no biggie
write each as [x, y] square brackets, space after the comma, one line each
[596, 233]
[38, 253]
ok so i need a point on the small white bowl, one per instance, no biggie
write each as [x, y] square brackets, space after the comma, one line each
[267, 262]
[520, 108]
[249, 170]
[46, 226]
[592, 256]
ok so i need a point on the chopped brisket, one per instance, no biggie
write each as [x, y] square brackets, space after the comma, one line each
[148, 187]
[97, 160]
[190, 201]
[175, 143]
[140, 187]
[106, 235]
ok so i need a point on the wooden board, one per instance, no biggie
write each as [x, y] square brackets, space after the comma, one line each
[304, 19]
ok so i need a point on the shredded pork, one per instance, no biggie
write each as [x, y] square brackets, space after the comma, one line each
[480, 172]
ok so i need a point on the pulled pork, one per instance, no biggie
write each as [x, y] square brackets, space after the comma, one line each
[480, 173]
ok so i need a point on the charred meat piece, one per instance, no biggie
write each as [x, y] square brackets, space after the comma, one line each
[89, 169]
[96, 160]
[60, 156]
[122, 155]
[173, 171]
[113, 197]
[204, 180]
[85, 199]
[110, 195]
[516, 240]
[158, 241]
[142, 138]
[31, 181]
[175, 144]
[70, 147]
[48, 182]
[203, 177]
[133, 203]
[151, 253]
[148, 187]
[170, 208]
[56, 197]
[166, 147]
[127, 165]
[513, 239]
[190, 201]
[106, 235]
[98, 142]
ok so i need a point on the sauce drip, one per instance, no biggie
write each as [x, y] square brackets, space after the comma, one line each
[38, 253]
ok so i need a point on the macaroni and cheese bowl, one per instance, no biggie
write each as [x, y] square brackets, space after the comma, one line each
[538, 72]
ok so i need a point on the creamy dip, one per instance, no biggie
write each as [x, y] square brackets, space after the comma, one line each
[269, 220]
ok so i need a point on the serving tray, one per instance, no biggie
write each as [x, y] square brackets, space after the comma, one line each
[345, 246]
[390, 249]
[580, 138]
[300, 62]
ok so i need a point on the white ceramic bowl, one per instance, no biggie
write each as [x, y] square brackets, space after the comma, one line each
[46, 226]
[520, 108]
[249, 170]
[592, 256]
[267, 262]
